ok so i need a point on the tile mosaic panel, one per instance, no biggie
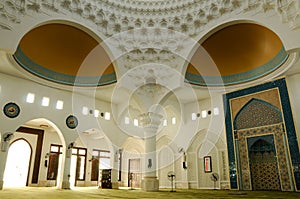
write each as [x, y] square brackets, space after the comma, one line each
[257, 113]
[278, 131]
[263, 163]
[290, 133]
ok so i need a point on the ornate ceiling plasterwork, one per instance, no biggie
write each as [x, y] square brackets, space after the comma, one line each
[150, 45]
[114, 16]
[116, 20]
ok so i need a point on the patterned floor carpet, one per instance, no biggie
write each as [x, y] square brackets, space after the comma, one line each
[93, 192]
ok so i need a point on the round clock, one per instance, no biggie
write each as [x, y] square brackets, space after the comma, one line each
[71, 121]
[11, 110]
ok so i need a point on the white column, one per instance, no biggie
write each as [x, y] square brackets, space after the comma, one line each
[3, 158]
[67, 169]
[185, 182]
[4, 145]
[115, 169]
[150, 123]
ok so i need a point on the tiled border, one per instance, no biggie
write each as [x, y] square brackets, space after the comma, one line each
[277, 131]
[47, 74]
[288, 121]
[256, 73]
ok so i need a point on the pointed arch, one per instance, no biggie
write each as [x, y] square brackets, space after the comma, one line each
[257, 113]
[18, 163]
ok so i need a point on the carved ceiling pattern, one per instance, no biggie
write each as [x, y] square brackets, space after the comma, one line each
[150, 45]
[156, 30]
[114, 16]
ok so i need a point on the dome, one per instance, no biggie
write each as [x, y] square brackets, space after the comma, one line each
[65, 54]
[236, 54]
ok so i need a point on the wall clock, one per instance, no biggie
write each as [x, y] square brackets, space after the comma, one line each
[11, 110]
[71, 121]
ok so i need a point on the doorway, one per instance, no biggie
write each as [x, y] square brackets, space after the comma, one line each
[134, 173]
[263, 163]
[17, 164]
[78, 165]
[100, 160]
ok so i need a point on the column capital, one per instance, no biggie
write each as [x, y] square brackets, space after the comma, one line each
[150, 119]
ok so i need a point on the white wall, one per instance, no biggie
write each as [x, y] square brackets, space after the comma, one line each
[294, 94]
[16, 89]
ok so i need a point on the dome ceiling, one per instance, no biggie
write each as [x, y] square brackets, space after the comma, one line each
[65, 54]
[237, 53]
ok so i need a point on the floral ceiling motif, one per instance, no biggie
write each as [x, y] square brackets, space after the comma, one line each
[114, 16]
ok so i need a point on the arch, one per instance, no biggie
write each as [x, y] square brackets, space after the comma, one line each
[93, 138]
[134, 145]
[164, 141]
[165, 164]
[197, 140]
[257, 113]
[261, 144]
[80, 70]
[225, 67]
[95, 143]
[18, 163]
[133, 149]
[46, 139]
[44, 123]
[214, 29]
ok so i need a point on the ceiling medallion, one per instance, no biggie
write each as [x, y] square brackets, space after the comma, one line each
[11, 110]
[72, 122]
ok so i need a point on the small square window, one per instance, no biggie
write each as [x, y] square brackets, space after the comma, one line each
[173, 120]
[45, 101]
[135, 122]
[194, 116]
[85, 110]
[30, 98]
[204, 114]
[81, 152]
[54, 149]
[59, 105]
[165, 122]
[107, 115]
[127, 120]
[216, 111]
[96, 113]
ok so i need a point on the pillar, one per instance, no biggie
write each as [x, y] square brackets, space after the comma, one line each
[185, 183]
[3, 158]
[4, 145]
[67, 169]
[150, 122]
[115, 169]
